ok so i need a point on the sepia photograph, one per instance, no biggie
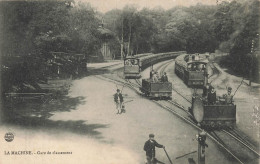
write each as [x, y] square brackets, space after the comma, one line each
[129, 82]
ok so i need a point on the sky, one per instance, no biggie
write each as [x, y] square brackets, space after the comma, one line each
[106, 5]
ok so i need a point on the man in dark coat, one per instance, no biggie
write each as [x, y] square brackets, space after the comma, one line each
[228, 97]
[151, 74]
[212, 96]
[164, 77]
[149, 147]
[118, 99]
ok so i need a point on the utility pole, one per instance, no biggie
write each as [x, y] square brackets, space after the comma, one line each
[252, 59]
[201, 138]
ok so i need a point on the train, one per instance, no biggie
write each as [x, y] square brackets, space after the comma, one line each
[131, 67]
[194, 73]
[219, 115]
[192, 69]
[135, 64]
[151, 59]
[161, 90]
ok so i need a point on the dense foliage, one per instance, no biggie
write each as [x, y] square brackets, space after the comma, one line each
[231, 27]
[37, 28]
[40, 27]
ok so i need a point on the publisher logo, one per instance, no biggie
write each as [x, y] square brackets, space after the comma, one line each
[9, 137]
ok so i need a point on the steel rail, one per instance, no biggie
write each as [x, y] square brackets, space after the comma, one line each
[242, 142]
[162, 70]
[180, 116]
[197, 127]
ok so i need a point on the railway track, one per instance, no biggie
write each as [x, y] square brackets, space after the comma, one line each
[212, 135]
[213, 138]
[230, 133]
[241, 140]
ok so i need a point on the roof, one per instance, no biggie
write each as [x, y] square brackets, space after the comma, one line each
[105, 32]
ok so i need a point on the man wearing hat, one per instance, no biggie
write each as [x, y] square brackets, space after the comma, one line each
[149, 147]
[212, 97]
[118, 98]
[155, 77]
[164, 77]
[228, 97]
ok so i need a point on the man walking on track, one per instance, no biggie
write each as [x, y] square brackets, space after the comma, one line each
[149, 147]
[118, 98]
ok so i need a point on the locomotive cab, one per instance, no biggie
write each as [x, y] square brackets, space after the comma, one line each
[132, 67]
[195, 73]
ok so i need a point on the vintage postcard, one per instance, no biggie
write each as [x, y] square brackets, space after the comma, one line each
[129, 82]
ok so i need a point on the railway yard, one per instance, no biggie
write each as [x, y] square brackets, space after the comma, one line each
[85, 123]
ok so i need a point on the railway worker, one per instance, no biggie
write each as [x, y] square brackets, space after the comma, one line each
[164, 77]
[212, 96]
[197, 57]
[193, 57]
[151, 74]
[228, 97]
[118, 99]
[155, 77]
[149, 148]
[190, 57]
[132, 62]
[127, 62]
[203, 67]
[192, 68]
[206, 90]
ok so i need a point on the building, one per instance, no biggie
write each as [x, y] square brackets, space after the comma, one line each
[106, 35]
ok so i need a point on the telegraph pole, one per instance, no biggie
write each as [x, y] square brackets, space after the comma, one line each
[252, 58]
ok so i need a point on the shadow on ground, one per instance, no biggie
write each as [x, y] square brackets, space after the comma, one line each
[35, 115]
[99, 71]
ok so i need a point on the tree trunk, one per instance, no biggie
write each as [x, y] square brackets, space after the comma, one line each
[129, 40]
[136, 49]
[122, 40]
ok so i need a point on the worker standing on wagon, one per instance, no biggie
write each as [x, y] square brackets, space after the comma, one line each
[190, 57]
[164, 77]
[149, 148]
[118, 99]
[151, 74]
[155, 77]
[197, 57]
[228, 97]
[212, 96]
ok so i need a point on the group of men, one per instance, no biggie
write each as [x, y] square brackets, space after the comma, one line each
[210, 94]
[155, 77]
